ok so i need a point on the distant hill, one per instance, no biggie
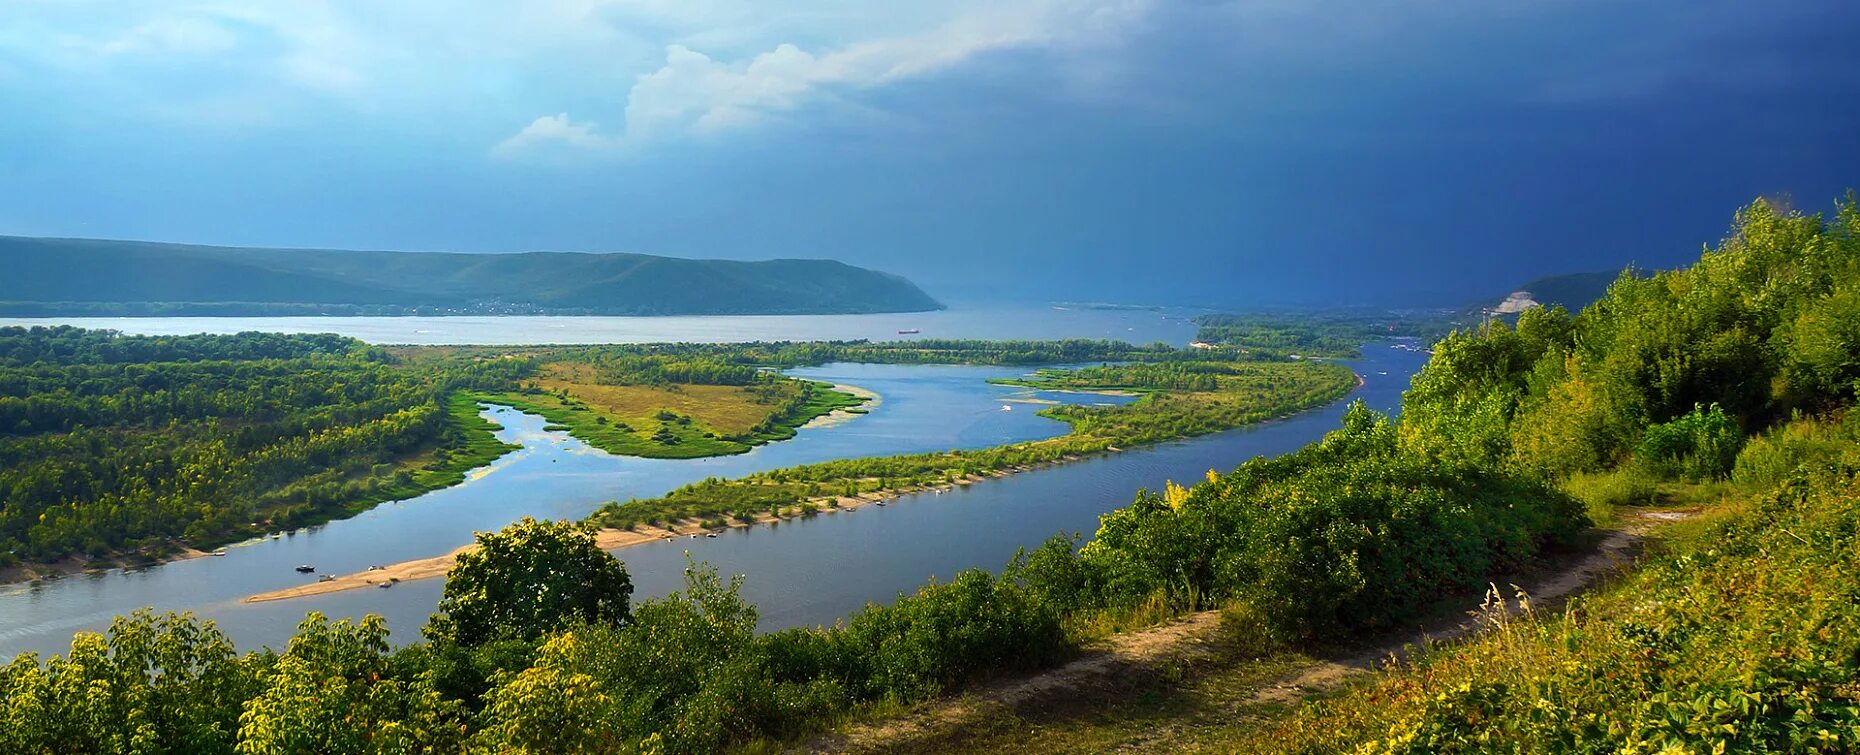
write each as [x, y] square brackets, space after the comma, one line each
[1574, 291]
[94, 277]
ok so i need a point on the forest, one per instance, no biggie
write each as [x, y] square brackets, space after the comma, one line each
[118, 447]
[1738, 371]
[114, 444]
[1320, 334]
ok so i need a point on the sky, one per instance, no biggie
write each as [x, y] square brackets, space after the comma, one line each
[1232, 154]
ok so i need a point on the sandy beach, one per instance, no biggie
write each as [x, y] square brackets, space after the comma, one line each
[613, 539]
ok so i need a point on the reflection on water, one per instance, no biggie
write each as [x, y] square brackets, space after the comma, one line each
[554, 476]
[799, 572]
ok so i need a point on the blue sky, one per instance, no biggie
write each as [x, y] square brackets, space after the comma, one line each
[1242, 153]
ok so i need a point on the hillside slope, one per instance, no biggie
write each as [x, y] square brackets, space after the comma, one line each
[86, 276]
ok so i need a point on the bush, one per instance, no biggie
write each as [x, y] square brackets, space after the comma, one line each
[1603, 492]
[1700, 445]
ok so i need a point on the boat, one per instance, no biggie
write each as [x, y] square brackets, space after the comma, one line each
[909, 332]
[326, 578]
[305, 569]
[384, 585]
[376, 567]
[710, 534]
[1006, 408]
[220, 552]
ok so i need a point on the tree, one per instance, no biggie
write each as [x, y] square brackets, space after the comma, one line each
[527, 580]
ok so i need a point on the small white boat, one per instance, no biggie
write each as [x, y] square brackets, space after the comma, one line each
[220, 552]
[1006, 408]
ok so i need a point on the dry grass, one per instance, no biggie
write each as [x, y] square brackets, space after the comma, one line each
[725, 409]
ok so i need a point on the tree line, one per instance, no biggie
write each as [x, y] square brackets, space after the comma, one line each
[1360, 530]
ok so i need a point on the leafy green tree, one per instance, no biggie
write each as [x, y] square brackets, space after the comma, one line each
[333, 691]
[527, 580]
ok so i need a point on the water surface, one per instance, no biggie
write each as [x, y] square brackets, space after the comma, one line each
[984, 322]
[800, 572]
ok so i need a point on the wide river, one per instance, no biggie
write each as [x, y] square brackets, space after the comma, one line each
[991, 322]
[799, 572]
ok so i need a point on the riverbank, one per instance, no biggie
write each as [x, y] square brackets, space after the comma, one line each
[610, 539]
[65, 567]
[836, 487]
[678, 421]
[410, 477]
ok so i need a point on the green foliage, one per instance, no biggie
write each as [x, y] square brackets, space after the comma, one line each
[334, 690]
[1762, 326]
[529, 579]
[1322, 334]
[1245, 393]
[1700, 445]
[1349, 533]
[113, 443]
[1772, 457]
[150, 684]
[1604, 493]
[1744, 638]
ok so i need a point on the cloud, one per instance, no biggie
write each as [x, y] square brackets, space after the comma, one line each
[552, 131]
[179, 35]
[695, 94]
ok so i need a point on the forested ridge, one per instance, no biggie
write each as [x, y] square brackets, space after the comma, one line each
[47, 277]
[1511, 441]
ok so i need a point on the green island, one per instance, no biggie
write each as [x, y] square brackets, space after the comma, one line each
[1228, 395]
[1708, 411]
[127, 449]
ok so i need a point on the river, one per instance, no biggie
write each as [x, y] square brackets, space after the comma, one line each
[988, 321]
[799, 572]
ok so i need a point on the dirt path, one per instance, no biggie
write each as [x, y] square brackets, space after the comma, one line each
[1196, 636]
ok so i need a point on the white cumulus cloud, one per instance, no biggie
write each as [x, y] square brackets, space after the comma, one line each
[552, 131]
[694, 93]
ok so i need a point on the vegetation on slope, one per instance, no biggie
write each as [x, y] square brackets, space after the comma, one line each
[1750, 643]
[1739, 634]
[48, 277]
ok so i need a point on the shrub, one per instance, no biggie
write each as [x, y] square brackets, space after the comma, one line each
[1700, 445]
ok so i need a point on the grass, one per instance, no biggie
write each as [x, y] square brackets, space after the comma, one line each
[672, 421]
[1251, 395]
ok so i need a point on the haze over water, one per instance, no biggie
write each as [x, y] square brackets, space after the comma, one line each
[991, 322]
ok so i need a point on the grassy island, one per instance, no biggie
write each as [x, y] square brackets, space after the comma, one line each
[1179, 399]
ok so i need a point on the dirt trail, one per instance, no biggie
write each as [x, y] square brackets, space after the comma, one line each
[1195, 635]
